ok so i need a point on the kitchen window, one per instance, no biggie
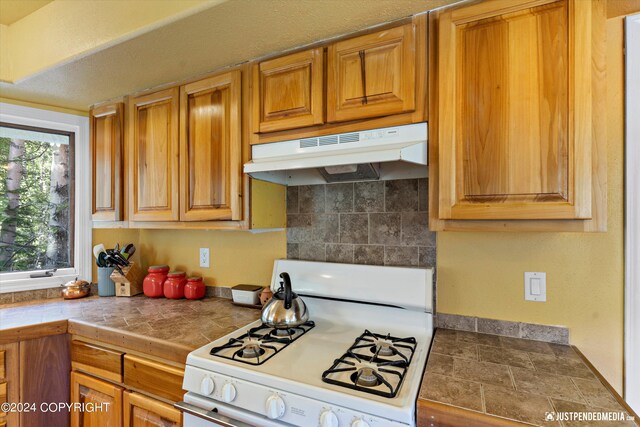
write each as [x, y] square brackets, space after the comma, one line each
[45, 231]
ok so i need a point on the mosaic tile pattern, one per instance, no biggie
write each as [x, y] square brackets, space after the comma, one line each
[513, 378]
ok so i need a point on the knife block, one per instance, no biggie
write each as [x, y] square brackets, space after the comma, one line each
[130, 283]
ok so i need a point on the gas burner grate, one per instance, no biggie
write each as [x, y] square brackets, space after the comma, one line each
[375, 364]
[260, 343]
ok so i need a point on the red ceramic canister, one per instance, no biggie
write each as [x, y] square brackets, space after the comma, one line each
[174, 285]
[195, 288]
[152, 285]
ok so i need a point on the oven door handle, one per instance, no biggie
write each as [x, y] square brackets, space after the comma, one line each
[212, 416]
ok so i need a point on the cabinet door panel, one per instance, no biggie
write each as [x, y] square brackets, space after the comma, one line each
[154, 156]
[143, 411]
[106, 158]
[511, 136]
[372, 75]
[92, 392]
[210, 149]
[288, 92]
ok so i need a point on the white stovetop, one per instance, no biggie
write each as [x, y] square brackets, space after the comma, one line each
[298, 368]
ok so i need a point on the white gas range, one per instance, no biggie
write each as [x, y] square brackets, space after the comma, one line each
[358, 362]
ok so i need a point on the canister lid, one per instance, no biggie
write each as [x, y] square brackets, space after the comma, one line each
[249, 288]
[177, 274]
[158, 268]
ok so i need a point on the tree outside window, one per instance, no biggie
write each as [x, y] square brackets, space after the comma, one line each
[36, 207]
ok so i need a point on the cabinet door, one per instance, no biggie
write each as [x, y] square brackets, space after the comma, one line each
[44, 367]
[143, 411]
[288, 92]
[106, 161]
[514, 108]
[153, 156]
[9, 381]
[211, 149]
[104, 399]
[372, 75]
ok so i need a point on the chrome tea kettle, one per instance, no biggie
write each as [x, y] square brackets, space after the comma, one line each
[285, 309]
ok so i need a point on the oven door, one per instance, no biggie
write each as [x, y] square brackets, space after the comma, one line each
[199, 411]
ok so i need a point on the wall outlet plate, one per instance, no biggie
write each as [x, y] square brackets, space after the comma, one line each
[204, 257]
[535, 286]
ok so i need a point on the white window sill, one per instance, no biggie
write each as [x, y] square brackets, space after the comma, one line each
[28, 284]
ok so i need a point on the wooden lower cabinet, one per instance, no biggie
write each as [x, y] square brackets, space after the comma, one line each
[102, 402]
[9, 381]
[44, 379]
[143, 411]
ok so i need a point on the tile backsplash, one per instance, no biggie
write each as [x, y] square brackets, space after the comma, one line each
[378, 223]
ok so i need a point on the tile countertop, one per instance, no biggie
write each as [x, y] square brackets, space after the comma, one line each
[511, 378]
[165, 328]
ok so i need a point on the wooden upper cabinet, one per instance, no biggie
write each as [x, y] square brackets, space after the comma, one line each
[211, 149]
[514, 110]
[143, 411]
[288, 92]
[106, 396]
[372, 75]
[153, 156]
[107, 132]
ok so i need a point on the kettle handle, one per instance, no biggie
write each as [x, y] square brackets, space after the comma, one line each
[288, 294]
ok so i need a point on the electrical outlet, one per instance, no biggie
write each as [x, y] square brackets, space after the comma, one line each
[204, 257]
[535, 286]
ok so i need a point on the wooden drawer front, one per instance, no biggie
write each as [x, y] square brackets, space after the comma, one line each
[96, 360]
[154, 377]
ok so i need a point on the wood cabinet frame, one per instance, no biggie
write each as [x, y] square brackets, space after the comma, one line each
[399, 100]
[132, 400]
[310, 110]
[115, 113]
[232, 208]
[587, 121]
[169, 211]
[114, 413]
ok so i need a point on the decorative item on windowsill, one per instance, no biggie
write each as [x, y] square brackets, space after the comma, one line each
[128, 281]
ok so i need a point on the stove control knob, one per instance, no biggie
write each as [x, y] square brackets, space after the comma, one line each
[359, 423]
[228, 393]
[275, 407]
[207, 386]
[329, 418]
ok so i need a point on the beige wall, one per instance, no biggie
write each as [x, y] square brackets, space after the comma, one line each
[481, 274]
[235, 256]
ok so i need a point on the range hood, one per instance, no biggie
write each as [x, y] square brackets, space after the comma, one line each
[380, 154]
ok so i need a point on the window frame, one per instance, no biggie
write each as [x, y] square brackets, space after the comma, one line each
[78, 126]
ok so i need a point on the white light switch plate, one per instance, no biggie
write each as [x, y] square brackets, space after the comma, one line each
[204, 257]
[535, 286]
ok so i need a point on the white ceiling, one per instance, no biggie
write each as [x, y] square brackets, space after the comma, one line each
[226, 34]
[13, 10]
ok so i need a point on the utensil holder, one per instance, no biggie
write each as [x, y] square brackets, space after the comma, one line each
[106, 286]
[130, 283]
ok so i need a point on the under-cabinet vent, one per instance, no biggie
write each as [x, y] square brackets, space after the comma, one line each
[349, 137]
[308, 142]
[328, 140]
